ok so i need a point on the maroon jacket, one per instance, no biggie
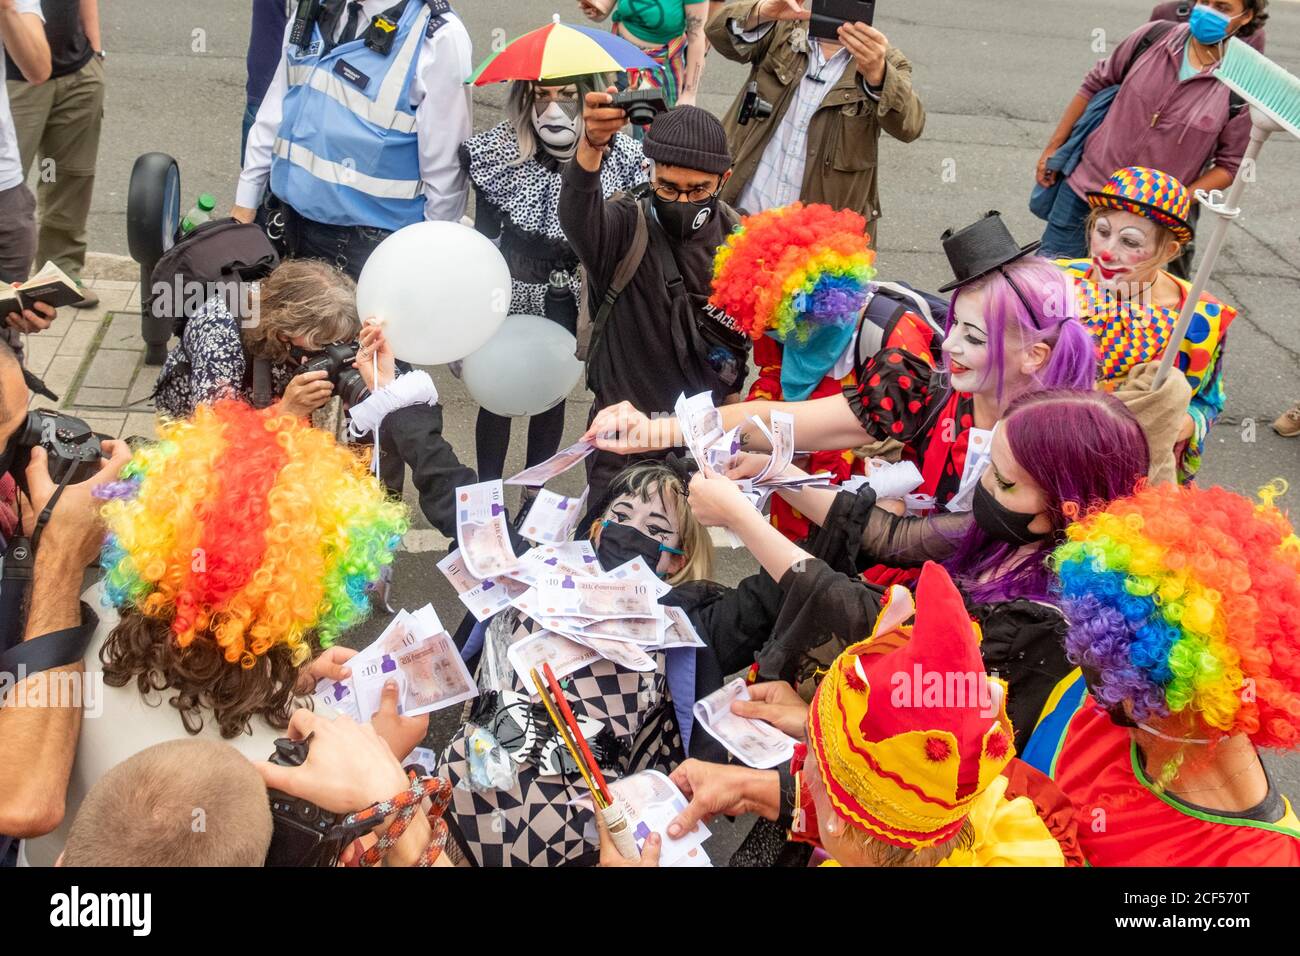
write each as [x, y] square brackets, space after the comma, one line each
[1156, 121]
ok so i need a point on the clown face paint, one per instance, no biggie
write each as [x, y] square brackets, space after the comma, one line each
[656, 521]
[1123, 246]
[555, 117]
[966, 349]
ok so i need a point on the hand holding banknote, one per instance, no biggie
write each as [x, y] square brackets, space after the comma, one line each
[330, 665]
[775, 703]
[402, 734]
[609, 855]
[717, 502]
[715, 789]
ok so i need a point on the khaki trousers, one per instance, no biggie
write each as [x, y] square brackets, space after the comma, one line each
[59, 122]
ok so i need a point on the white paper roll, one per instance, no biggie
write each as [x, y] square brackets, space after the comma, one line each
[619, 831]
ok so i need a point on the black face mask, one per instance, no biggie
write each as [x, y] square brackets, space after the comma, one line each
[1001, 523]
[620, 543]
[683, 220]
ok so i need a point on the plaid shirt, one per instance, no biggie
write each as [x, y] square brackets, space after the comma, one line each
[778, 181]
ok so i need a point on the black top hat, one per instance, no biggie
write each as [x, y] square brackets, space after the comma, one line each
[980, 248]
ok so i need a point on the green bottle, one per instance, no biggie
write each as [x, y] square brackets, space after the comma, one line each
[201, 213]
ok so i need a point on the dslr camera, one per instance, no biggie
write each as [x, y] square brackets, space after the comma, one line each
[72, 447]
[303, 833]
[336, 361]
[641, 106]
[752, 106]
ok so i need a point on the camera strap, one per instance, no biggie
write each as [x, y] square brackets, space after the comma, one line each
[56, 649]
[262, 388]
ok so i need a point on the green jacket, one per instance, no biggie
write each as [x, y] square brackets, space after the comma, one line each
[842, 139]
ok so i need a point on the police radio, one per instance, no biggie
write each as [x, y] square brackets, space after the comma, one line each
[304, 20]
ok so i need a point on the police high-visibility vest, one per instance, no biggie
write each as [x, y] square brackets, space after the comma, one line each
[347, 151]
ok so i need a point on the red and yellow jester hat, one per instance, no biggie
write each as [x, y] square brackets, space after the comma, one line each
[908, 728]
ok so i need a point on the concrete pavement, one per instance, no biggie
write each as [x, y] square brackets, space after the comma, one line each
[994, 77]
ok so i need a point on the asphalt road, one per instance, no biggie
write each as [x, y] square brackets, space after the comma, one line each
[994, 77]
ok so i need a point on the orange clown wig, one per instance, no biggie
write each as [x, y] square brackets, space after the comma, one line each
[249, 526]
[790, 270]
[1186, 601]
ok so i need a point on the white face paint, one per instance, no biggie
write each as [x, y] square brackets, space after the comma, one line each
[1123, 246]
[557, 130]
[967, 346]
[655, 520]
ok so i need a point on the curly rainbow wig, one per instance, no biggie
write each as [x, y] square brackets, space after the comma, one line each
[249, 527]
[1186, 602]
[791, 269]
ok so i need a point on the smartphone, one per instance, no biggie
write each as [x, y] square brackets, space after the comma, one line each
[828, 15]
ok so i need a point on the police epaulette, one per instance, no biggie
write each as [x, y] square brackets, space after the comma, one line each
[438, 10]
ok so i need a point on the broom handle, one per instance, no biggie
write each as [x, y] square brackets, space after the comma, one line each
[1225, 213]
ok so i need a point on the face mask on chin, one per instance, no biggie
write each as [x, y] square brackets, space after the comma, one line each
[556, 128]
[683, 220]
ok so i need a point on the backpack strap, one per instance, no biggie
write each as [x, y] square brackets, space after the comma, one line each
[1150, 38]
[623, 273]
[664, 255]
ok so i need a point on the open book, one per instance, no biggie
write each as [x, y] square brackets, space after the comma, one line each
[51, 285]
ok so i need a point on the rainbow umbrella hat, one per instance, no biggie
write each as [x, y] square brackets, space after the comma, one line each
[558, 51]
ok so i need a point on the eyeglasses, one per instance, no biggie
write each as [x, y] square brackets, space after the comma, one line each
[699, 196]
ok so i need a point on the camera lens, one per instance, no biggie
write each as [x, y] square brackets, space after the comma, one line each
[351, 388]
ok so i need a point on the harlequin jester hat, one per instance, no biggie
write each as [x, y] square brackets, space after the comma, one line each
[1148, 193]
[908, 728]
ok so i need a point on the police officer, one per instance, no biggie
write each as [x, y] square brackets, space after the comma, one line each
[358, 132]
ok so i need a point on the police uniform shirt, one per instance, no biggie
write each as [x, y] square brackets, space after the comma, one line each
[442, 116]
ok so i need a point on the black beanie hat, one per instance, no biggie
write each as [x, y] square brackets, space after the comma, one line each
[689, 137]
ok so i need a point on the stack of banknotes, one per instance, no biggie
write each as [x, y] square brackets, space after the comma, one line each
[584, 612]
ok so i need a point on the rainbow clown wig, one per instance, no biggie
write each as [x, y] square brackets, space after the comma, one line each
[249, 529]
[793, 269]
[1185, 602]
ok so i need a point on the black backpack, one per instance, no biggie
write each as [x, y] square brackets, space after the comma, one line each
[212, 259]
[886, 307]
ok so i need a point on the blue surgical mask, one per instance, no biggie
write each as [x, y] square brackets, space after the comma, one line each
[1209, 26]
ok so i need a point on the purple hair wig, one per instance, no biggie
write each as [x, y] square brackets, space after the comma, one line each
[1082, 449]
[1052, 317]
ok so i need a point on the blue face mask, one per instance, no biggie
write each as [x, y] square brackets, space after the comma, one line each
[1208, 25]
[805, 364]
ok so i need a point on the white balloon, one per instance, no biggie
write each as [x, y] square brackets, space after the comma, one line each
[440, 289]
[526, 368]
